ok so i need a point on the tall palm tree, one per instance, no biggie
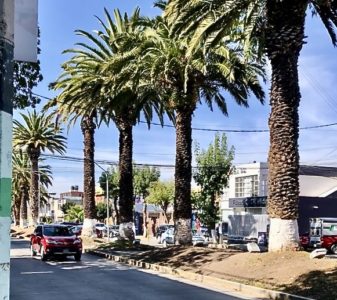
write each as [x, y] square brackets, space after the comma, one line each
[182, 81]
[21, 180]
[277, 27]
[20, 186]
[92, 80]
[37, 133]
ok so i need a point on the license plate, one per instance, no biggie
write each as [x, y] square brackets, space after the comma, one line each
[65, 250]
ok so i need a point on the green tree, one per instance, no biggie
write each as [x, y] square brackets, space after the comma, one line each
[66, 206]
[37, 133]
[183, 81]
[113, 184]
[211, 174]
[20, 186]
[277, 29]
[143, 177]
[101, 211]
[161, 194]
[21, 180]
[74, 214]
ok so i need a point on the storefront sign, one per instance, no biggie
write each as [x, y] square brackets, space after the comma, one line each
[248, 202]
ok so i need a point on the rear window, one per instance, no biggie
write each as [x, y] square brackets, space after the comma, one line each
[57, 231]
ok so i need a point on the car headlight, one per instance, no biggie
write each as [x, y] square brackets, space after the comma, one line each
[77, 242]
[51, 242]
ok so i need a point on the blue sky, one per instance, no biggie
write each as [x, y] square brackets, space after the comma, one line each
[318, 80]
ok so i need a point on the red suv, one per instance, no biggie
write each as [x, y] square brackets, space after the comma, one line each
[49, 240]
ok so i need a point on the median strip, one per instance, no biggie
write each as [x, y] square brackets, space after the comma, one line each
[230, 286]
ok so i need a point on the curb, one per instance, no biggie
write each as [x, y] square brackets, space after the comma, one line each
[229, 286]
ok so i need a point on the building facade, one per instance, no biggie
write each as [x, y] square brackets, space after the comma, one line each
[247, 193]
[246, 183]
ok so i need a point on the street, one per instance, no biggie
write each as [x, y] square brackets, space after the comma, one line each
[93, 278]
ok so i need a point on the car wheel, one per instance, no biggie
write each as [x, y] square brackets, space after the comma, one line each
[77, 256]
[32, 251]
[333, 249]
[43, 254]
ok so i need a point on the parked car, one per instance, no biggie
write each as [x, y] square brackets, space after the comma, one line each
[113, 230]
[100, 230]
[161, 229]
[199, 240]
[76, 229]
[53, 240]
[322, 234]
[69, 224]
[167, 237]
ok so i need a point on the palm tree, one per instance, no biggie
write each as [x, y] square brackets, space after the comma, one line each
[75, 214]
[38, 133]
[278, 28]
[182, 81]
[92, 80]
[75, 102]
[21, 180]
[20, 186]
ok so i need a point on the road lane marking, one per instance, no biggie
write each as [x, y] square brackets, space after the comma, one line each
[41, 272]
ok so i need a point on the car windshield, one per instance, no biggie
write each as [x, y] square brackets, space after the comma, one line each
[57, 231]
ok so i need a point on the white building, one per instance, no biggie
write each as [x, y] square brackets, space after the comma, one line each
[249, 180]
[248, 188]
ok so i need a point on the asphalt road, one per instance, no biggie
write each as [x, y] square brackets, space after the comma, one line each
[94, 278]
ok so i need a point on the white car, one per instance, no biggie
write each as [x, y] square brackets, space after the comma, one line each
[100, 229]
[199, 240]
[167, 237]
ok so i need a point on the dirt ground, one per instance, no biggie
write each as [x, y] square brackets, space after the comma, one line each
[292, 272]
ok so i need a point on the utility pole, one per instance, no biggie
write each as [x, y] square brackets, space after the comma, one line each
[6, 116]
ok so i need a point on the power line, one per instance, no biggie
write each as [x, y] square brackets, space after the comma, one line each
[220, 130]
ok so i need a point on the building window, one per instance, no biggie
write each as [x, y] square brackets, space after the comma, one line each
[247, 186]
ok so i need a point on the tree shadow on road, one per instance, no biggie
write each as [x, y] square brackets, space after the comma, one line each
[184, 257]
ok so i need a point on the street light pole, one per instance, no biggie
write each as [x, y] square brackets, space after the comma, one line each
[107, 205]
[39, 198]
[107, 198]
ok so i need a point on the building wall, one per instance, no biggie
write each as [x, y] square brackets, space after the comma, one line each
[317, 193]
[315, 207]
[246, 174]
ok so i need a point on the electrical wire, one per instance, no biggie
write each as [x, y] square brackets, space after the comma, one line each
[221, 130]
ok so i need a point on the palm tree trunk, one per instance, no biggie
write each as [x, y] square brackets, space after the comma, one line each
[126, 178]
[23, 207]
[183, 177]
[34, 155]
[125, 191]
[285, 34]
[16, 209]
[88, 129]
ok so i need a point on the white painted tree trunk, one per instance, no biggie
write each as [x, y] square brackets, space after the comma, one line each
[23, 223]
[89, 229]
[283, 235]
[126, 231]
[183, 232]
